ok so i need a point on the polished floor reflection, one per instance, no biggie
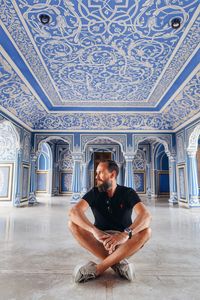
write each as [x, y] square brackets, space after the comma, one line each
[38, 254]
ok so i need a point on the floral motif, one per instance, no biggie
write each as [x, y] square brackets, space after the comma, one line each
[26, 148]
[8, 142]
[102, 53]
[18, 99]
[180, 147]
[139, 160]
[66, 161]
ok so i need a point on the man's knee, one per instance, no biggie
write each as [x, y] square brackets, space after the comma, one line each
[146, 234]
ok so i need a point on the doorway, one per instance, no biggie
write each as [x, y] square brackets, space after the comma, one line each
[98, 156]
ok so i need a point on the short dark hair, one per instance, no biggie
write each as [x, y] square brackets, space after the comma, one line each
[111, 165]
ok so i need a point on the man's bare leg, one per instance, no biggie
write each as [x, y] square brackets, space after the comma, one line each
[88, 241]
[123, 251]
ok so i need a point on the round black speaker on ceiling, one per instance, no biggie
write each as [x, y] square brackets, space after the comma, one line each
[44, 19]
[176, 23]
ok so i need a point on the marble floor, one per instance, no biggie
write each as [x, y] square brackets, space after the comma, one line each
[38, 254]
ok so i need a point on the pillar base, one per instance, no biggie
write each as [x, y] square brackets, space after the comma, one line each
[55, 192]
[84, 191]
[173, 198]
[32, 199]
[75, 197]
[149, 194]
[17, 201]
[194, 201]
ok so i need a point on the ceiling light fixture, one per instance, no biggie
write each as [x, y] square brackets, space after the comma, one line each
[44, 18]
[175, 23]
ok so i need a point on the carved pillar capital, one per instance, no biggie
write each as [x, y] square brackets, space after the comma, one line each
[129, 157]
[77, 156]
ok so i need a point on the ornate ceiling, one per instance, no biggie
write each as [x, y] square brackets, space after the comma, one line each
[100, 64]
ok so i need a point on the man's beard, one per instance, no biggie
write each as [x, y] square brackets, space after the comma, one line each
[104, 186]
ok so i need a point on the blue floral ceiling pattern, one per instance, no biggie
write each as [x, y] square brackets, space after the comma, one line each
[118, 57]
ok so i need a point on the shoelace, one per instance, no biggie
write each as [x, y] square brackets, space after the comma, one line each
[88, 276]
[119, 269]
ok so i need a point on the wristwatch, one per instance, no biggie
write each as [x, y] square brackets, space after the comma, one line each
[129, 232]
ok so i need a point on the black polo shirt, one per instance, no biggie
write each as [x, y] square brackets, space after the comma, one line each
[112, 213]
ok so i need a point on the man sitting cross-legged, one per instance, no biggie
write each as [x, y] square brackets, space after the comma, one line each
[114, 236]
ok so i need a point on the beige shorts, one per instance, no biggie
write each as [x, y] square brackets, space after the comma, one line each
[112, 231]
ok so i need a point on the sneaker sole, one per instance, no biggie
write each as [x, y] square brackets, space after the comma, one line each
[131, 272]
[76, 273]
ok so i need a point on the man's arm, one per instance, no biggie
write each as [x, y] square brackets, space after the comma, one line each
[142, 220]
[77, 216]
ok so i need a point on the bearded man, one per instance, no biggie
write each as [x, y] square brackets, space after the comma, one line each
[114, 236]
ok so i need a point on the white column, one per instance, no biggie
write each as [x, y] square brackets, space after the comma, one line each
[17, 199]
[85, 177]
[76, 177]
[192, 179]
[120, 175]
[129, 177]
[148, 177]
[172, 180]
[32, 198]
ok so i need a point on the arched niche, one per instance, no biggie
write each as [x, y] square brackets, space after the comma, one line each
[44, 170]
[161, 173]
[97, 145]
[153, 175]
[61, 180]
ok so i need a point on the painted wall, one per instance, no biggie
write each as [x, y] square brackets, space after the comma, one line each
[15, 146]
[140, 155]
[187, 141]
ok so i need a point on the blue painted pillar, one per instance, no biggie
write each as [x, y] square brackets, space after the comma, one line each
[192, 180]
[57, 173]
[76, 177]
[18, 195]
[129, 177]
[172, 180]
[84, 177]
[55, 182]
[32, 197]
[148, 177]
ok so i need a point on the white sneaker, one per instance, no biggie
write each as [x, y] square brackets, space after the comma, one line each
[125, 269]
[85, 272]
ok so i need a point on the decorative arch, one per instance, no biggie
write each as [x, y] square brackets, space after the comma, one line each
[193, 140]
[154, 139]
[103, 139]
[49, 138]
